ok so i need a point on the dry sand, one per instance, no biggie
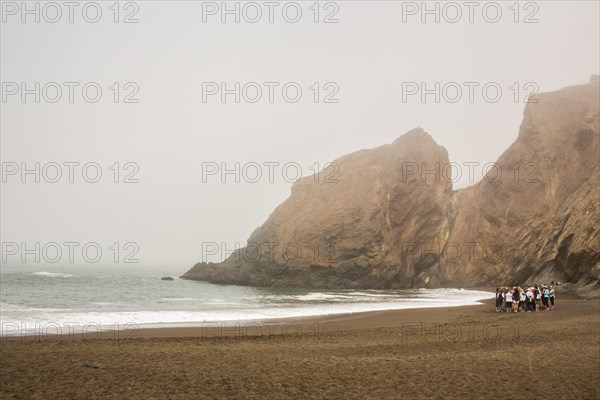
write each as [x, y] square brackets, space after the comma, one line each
[444, 353]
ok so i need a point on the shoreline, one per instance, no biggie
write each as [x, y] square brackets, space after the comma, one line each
[317, 327]
[254, 327]
[246, 327]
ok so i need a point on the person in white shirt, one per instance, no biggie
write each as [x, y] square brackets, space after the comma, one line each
[509, 300]
[522, 297]
[530, 301]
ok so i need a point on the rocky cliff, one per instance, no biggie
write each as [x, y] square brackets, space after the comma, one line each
[388, 217]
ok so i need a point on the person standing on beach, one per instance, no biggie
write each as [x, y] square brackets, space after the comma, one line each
[522, 298]
[552, 295]
[529, 300]
[537, 297]
[509, 300]
[516, 299]
[545, 296]
[498, 299]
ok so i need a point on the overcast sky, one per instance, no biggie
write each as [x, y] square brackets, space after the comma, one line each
[368, 67]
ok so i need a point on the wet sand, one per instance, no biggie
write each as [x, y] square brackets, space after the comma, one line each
[467, 352]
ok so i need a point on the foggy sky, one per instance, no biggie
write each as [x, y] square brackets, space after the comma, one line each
[170, 132]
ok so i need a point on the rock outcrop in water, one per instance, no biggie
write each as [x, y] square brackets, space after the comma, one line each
[388, 217]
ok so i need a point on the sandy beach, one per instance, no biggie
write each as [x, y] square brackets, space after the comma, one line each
[438, 353]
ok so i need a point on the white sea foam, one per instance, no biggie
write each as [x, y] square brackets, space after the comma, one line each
[179, 299]
[52, 274]
[320, 296]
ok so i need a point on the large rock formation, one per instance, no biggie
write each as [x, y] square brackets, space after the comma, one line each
[553, 157]
[345, 227]
[388, 218]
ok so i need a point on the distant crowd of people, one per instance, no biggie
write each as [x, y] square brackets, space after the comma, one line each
[517, 299]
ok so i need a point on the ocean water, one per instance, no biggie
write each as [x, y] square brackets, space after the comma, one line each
[113, 297]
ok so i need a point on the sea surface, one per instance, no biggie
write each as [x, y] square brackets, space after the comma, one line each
[33, 298]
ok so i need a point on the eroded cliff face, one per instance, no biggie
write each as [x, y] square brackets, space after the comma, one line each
[564, 247]
[378, 221]
[554, 155]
